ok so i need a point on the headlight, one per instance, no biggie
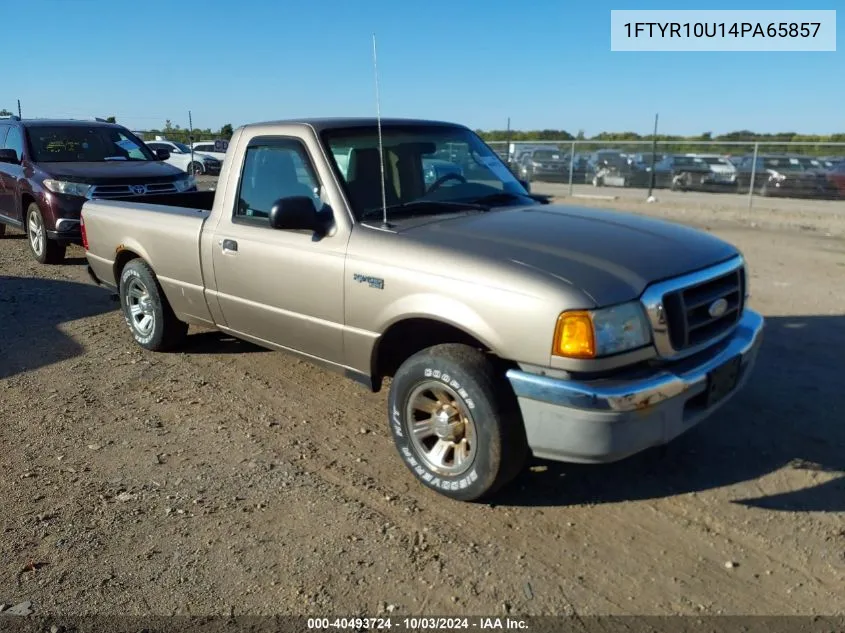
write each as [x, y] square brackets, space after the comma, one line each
[67, 188]
[183, 184]
[595, 333]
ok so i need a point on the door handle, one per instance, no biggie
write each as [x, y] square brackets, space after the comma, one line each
[229, 245]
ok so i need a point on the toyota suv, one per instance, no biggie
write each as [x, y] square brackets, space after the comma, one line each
[48, 168]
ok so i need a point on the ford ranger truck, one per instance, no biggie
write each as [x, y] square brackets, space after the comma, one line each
[507, 326]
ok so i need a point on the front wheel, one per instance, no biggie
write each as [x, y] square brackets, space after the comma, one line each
[146, 310]
[455, 422]
[196, 169]
[45, 250]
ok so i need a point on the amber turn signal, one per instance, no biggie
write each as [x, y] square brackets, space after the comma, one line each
[574, 336]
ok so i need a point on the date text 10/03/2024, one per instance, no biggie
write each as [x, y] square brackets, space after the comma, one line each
[417, 623]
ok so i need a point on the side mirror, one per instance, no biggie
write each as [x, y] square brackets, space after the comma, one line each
[9, 156]
[296, 213]
[526, 185]
[162, 154]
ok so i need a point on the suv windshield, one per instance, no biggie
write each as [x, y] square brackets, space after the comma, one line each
[715, 160]
[417, 176]
[547, 154]
[183, 148]
[83, 144]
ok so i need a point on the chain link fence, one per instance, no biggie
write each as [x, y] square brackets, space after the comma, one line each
[810, 171]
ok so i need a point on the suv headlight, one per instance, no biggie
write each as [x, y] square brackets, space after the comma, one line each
[67, 188]
[183, 184]
[596, 333]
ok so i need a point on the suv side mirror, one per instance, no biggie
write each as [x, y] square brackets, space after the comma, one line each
[162, 154]
[9, 156]
[296, 213]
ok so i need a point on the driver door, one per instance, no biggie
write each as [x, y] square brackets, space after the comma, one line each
[284, 287]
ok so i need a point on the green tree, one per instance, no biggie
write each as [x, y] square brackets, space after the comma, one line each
[111, 119]
[5, 112]
[226, 131]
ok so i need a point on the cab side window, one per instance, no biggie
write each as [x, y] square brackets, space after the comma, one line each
[273, 170]
[4, 129]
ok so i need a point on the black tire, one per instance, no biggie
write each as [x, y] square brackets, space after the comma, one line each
[43, 249]
[140, 289]
[2, 230]
[483, 397]
[196, 169]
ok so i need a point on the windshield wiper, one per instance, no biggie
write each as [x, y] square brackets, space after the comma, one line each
[503, 197]
[436, 206]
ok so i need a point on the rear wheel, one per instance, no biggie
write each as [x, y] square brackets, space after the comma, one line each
[196, 169]
[147, 311]
[45, 250]
[455, 422]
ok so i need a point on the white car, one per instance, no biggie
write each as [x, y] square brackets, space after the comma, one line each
[180, 156]
[722, 171]
[217, 149]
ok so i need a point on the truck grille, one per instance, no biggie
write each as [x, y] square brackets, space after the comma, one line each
[687, 311]
[693, 311]
[119, 191]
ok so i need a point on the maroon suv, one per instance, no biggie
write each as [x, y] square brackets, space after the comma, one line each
[49, 168]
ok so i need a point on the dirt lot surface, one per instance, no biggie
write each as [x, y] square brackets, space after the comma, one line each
[227, 479]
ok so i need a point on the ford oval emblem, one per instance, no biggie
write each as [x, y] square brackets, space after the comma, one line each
[139, 190]
[718, 308]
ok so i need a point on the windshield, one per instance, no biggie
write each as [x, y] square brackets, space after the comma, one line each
[688, 160]
[782, 163]
[81, 144]
[715, 160]
[424, 166]
[183, 148]
[547, 154]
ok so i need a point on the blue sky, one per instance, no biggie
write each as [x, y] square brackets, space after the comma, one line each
[543, 63]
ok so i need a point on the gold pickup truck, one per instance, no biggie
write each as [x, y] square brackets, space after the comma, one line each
[507, 325]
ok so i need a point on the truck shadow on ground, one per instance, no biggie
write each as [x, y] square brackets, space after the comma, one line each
[215, 342]
[791, 415]
[32, 311]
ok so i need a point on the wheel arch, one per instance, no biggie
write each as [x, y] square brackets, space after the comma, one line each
[406, 336]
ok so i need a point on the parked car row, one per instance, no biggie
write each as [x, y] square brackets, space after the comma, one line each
[773, 174]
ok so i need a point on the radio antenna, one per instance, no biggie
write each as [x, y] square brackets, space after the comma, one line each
[384, 223]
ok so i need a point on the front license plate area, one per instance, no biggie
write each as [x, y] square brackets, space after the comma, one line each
[722, 380]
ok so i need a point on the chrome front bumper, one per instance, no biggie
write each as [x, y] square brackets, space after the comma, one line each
[606, 420]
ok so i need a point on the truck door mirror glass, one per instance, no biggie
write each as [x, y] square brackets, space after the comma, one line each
[162, 154]
[9, 156]
[296, 213]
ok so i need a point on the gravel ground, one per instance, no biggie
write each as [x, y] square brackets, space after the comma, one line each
[227, 479]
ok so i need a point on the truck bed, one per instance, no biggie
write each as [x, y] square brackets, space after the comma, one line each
[166, 236]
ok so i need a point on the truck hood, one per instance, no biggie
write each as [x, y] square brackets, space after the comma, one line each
[609, 256]
[113, 171]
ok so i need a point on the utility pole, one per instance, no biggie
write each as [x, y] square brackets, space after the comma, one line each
[191, 137]
[653, 157]
[508, 142]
